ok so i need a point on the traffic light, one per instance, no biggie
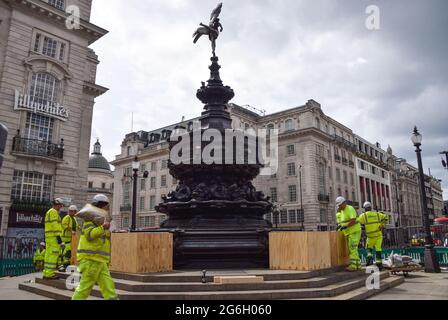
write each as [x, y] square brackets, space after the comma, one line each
[3, 136]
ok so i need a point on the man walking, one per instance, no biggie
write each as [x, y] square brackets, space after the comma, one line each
[69, 227]
[53, 241]
[347, 223]
[94, 256]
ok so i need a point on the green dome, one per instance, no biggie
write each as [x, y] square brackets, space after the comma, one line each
[96, 160]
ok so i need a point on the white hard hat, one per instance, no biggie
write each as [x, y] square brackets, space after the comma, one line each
[367, 204]
[58, 201]
[73, 208]
[339, 201]
[100, 198]
[42, 244]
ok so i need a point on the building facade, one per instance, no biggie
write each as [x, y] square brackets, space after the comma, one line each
[47, 93]
[100, 176]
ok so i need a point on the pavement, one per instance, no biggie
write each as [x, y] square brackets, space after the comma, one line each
[419, 286]
[9, 288]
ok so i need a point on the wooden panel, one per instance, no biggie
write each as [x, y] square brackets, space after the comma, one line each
[303, 251]
[75, 242]
[319, 250]
[142, 252]
[343, 254]
[238, 279]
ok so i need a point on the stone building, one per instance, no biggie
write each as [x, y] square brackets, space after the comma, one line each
[47, 93]
[100, 176]
[316, 164]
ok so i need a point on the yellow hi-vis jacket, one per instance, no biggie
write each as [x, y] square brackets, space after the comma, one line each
[53, 226]
[94, 243]
[373, 221]
[69, 224]
[39, 255]
[343, 218]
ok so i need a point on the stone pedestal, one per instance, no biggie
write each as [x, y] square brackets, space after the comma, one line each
[306, 251]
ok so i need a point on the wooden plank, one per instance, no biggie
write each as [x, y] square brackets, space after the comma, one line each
[75, 242]
[237, 279]
[342, 249]
[303, 251]
[142, 252]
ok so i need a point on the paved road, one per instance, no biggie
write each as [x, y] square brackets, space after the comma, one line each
[9, 288]
[419, 286]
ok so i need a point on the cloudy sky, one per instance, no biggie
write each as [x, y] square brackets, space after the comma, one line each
[277, 54]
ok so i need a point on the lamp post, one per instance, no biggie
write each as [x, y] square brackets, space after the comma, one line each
[301, 197]
[135, 168]
[431, 263]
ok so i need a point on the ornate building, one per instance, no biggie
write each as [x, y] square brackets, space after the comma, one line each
[100, 176]
[47, 94]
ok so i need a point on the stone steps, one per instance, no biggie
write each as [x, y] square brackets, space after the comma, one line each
[333, 286]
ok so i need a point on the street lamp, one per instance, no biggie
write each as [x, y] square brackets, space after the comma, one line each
[301, 197]
[135, 168]
[431, 262]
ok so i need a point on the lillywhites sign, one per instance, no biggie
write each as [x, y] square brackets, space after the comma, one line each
[25, 102]
[25, 220]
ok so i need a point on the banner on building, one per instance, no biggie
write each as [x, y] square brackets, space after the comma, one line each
[27, 220]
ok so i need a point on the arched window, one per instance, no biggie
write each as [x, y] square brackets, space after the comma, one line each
[44, 88]
[289, 125]
[322, 183]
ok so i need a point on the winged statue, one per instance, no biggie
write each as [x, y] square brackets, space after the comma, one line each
[212, 29]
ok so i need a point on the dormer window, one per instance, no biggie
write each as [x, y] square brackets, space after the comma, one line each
[59, 4]
[50, 46]
[289, 125]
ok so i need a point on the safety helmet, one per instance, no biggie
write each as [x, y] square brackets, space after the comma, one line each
[100, 201]
[339, 201]
[42, 244]
[366, 205]
[73, 208]
[58, 201]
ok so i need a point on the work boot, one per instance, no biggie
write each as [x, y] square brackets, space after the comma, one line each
[351, 269]
[369, 261]
[380, 266]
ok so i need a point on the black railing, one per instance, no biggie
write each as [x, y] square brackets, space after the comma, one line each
[323, 197]
[125, 208]
[337, 158]
[345, 142]
[38, 148]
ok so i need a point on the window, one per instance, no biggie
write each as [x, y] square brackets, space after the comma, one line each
[31, 186]
[274, 194]
[128, 151]
[270, 127]
[289, 125]
[128, 171]
[44, 88]
[322, 183]
[152, 202]
[142, 184]
[152, 221]
[320, 150]
[338, 175]
[143, 167]
[163, 181]
[323, 216]
[300, 216]
[49, 46]
[125, 222]
[290, 150]
[103, 185]
[147, 221]
[292, 216]
[39, 127]
[90, 184]
[373, 170]
[153, 182]
[291, 168]
[283, 217]
[142, 203]
[345, 176]
[126, 193]
[164, 164]
[352, 179]
[59, 4]
[153, 166]
[292, 193]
